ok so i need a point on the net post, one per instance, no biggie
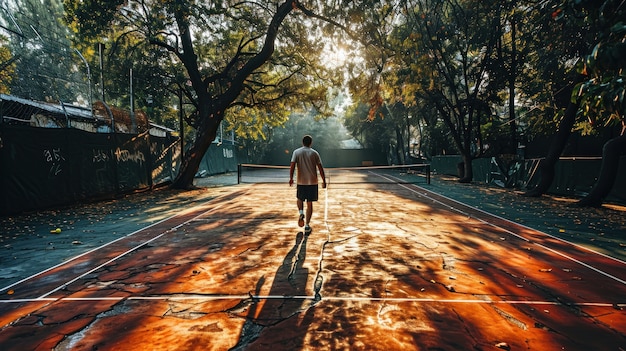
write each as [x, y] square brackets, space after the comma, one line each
[239, 173]
[428, 174]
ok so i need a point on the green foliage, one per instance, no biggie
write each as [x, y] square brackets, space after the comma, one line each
[7, 66]
[451, 65]
[91, 18]
[223, 37]
[601, 95]
[375, 133]
[446, 46]
[280, 140]
[446, 57]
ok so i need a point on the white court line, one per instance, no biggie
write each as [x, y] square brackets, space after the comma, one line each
[173, 229]
[597, 270]
[521, 225]
[200, 297]
[84, 254]
[102, 246]
[327, 298]
[326, 211]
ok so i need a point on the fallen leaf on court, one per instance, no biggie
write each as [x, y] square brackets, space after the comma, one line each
[432, 281]
[545, 270]
[76, 242]
[10, 292]
[503, 345]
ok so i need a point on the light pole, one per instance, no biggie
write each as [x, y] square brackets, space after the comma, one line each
[408, 139]
[101, 53]
[88, 80]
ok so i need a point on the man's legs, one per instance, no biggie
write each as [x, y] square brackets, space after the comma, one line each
[300, 204]
[308, 194]
[309, 211]
[309, 208]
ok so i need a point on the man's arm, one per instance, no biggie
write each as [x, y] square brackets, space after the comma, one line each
[322, 174]
[292, 167]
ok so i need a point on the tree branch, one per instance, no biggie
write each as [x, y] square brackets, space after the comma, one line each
[259, 59]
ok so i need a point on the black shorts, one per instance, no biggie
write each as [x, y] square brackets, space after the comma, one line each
[307, 192]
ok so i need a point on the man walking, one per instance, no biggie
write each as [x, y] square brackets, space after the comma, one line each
[308, 162]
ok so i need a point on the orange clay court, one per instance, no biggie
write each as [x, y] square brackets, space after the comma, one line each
[387, 267]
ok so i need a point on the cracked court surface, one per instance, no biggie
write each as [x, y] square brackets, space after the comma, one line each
[388, 266]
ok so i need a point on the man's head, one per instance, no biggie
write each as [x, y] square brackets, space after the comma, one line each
[307, 140]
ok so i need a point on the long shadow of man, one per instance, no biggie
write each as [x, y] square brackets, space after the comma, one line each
[285, 300]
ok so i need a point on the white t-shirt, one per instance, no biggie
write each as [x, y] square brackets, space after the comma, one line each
[306, 160]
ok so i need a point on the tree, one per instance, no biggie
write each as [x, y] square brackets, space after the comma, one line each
[455, 40]
[373, 133]
[601, 94]
[595, 35]
[153, 77]
[284, 139]
[230, 61]
[554, 67]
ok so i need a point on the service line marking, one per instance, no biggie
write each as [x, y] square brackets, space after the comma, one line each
[171, 230]
[200, 297]
[8, 287]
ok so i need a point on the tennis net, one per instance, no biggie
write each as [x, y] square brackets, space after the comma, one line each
[413, 173]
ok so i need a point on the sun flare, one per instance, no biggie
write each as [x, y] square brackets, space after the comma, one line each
[336, 57]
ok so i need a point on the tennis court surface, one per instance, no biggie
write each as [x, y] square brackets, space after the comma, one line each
[388, 266]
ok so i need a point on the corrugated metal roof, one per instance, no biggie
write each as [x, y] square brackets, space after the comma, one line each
[72, 110]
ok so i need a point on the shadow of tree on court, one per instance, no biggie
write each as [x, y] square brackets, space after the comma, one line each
[282, 306]
[436, 285]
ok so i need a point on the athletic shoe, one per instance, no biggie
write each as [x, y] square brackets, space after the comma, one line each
[307, 229]
[301, 220]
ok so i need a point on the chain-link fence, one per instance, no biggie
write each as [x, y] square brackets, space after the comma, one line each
[38, 60]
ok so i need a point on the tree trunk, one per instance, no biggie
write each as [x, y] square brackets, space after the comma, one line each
[211, 109]
[611, 153]
[192, 158]
[468, 173]
[400, 146]
[546, 166]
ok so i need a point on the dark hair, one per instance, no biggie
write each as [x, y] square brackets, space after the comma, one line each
[307, 140]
